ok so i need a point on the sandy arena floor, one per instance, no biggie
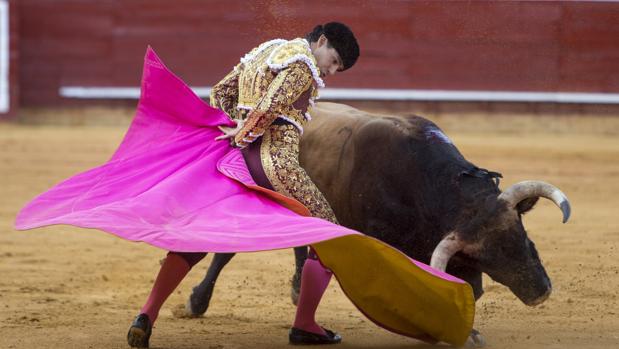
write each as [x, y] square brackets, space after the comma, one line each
[64, 287]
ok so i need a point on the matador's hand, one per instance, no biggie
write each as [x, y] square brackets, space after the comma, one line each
[229, 132]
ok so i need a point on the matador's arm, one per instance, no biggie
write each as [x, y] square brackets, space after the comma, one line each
[225, 94]
[284, 90]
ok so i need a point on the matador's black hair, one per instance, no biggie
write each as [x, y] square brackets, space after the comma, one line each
[340, 38]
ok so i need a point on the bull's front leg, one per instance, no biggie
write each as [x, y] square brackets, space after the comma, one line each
[468, 274]
[200, 297]
[300, 255]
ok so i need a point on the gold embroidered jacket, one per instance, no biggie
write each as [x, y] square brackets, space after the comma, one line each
[278, 79]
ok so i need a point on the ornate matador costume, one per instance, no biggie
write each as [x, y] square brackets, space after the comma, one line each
[272, 89]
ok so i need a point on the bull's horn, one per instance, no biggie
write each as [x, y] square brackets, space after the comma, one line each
[444, 251]
[528, 189]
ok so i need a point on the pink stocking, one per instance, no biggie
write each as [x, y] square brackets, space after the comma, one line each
[171, 274]
[314, 281]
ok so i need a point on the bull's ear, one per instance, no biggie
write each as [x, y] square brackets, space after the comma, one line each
[526, 205]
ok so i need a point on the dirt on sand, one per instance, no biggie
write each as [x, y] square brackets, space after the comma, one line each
[65, 287]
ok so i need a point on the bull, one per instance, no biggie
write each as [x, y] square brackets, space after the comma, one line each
[402, 180]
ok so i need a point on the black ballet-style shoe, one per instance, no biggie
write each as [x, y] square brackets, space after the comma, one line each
[297, 336]
[139, 332]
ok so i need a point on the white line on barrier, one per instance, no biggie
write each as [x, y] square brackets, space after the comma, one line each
[380, 94]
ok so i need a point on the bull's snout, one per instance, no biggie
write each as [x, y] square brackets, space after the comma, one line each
[541, 299]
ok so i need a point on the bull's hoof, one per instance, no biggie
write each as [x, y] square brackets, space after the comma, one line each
[475, 340]
[185, 311]
[195, 307]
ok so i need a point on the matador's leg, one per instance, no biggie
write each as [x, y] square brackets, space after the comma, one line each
[280, 161]
[279, 154]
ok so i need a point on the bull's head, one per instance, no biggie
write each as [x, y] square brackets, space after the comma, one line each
[500, 246]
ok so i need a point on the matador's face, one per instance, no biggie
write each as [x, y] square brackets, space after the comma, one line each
[329, 61]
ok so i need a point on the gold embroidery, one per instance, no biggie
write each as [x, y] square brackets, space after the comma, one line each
[258, 71]
[279, 153]
[285, 52]
[262, 88]
[278, 100]
[224, 95]
[272, 78]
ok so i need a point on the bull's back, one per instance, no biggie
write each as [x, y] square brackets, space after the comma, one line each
[330, 147]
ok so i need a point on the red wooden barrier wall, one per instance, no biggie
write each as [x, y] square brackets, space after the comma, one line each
[452, 45]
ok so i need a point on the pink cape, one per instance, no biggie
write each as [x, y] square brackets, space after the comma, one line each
[171, 185]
